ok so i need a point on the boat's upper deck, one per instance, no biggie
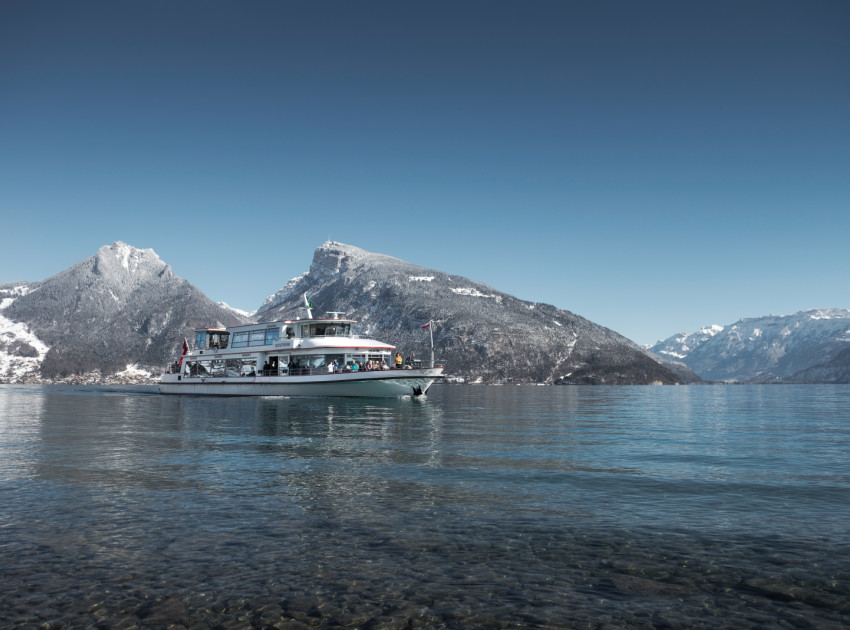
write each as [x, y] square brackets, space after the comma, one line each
[334, 331]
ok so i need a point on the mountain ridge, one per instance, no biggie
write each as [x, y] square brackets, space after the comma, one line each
[125, 307]
[484, 335]
[771, 348]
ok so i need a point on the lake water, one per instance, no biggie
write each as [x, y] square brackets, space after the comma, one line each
[484, 507]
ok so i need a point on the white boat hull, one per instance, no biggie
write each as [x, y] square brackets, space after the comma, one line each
[380, 384]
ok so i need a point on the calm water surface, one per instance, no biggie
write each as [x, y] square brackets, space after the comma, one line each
[485, 507]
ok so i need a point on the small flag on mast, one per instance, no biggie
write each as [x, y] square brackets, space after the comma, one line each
[428, 325]
[185, 350]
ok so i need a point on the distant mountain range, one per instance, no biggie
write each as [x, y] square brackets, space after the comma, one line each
[124, 311]
[809, 346]
[122, 315]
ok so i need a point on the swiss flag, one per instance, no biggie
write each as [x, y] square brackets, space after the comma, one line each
[428, 325]
[185, 349]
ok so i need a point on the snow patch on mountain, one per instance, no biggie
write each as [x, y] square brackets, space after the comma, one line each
[10, 293]
[135, 371]
[21, 351]
[237, 311]
[472, 292]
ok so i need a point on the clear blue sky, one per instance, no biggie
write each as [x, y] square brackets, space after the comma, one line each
[652, 166]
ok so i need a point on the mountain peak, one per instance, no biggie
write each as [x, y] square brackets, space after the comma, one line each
[120, 255]
[121, 266]
[334, 256]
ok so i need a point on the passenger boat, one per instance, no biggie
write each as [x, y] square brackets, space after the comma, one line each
[295, 357]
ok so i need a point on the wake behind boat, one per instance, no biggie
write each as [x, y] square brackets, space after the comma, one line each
[295, 357]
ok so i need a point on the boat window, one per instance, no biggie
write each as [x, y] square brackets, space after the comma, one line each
[240, 340]
[200, 340]
[283, 364]
[357, 358]
[326, 330]
[218, 339]
[339, 358]
[272, 335]
[201, 368]
[257, 338]
[337, 330]
[221, 368]
[379, 360]
[249, 367]
[307, 363]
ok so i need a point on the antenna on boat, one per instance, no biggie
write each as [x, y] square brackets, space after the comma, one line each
[308, 305]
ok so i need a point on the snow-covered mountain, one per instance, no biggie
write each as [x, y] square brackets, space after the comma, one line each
[123, 311]
[680, 346]
[763, 349]
[122, 307]
[21, 351]
[480, 333]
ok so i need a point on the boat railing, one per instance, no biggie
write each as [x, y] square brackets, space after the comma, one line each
[310, 371]
[294, 371]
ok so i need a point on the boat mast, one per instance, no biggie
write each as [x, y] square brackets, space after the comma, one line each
[431, 330]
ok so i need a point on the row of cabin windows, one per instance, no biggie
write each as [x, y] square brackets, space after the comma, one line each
[256, 337]
[222, 367]
[282, 365]
[326, 330]
[268, 336]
